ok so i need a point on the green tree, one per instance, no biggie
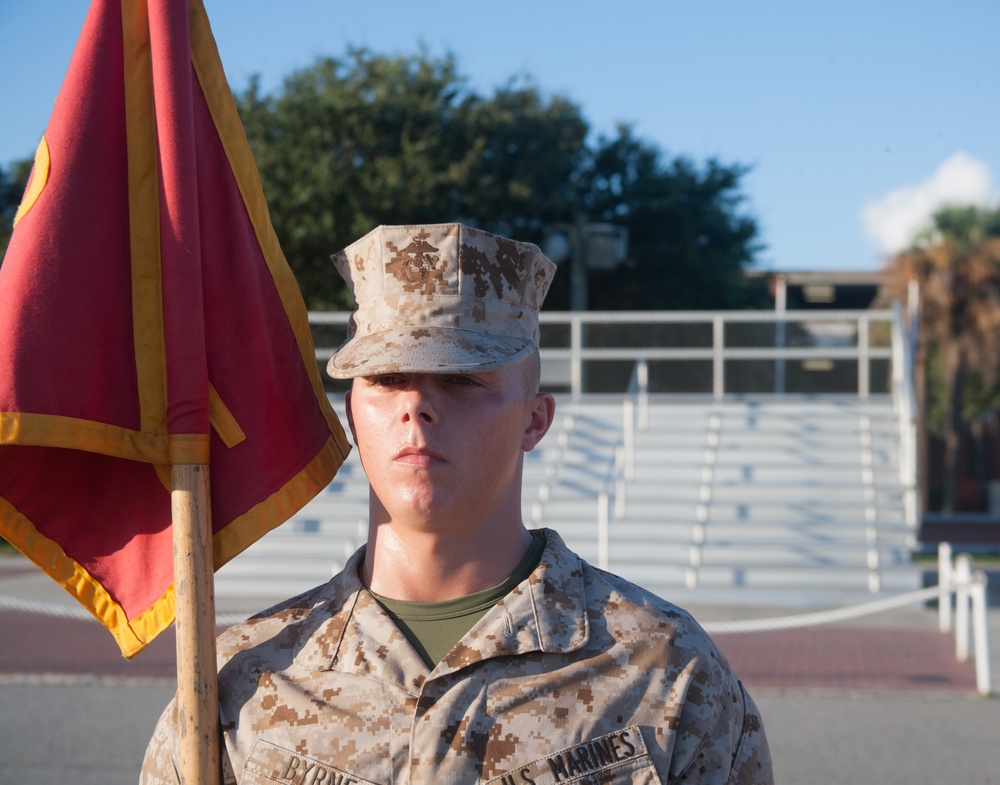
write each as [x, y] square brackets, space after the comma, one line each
[353, 142]
[523, 159]
[957, 267]
[688, 239]
[12, 185]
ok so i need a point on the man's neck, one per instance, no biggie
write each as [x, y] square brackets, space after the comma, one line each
[417, 565]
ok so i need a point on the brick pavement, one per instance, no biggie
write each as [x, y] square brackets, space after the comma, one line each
[848, 658]
[872, 656]
[835, 658]
[36, 645]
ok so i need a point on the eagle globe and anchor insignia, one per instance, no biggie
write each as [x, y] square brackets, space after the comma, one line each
[414, 265]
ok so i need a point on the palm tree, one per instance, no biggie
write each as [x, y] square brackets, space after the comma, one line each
[957, 267]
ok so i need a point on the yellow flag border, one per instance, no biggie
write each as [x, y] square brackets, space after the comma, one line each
[152, 444]
[133, 635]
[245, 530]
[215, 88]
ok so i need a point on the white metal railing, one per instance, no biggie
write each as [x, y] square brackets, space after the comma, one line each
[956, 576]
[853, 331]
[576, 347]
[635, 413]
[621, 471]
[904, 401]
[718, 348]
[552, 467]
[955, 579]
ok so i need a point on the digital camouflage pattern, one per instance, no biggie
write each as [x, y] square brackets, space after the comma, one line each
[439, 297]
[576, 676]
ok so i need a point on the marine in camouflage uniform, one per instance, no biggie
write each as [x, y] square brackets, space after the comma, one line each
[573, 676]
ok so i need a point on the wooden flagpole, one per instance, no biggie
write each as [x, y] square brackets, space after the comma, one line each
[194, 595]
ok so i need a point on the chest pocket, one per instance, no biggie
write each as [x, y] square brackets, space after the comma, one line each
[618, 757]
[270, 764]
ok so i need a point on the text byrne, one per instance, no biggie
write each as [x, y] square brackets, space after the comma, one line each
[590, 756]
[302, 771]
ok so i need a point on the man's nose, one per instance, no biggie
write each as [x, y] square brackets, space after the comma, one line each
[418, 404]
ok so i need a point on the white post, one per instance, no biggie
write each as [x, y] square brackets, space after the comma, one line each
[944, 587]
[913, 319]
[603, 530]
[980, 632]
[780, 331]
[718, 362]
[963, 577]
[642, 373]
[576, 361]
[619, 482]
[628, 414]
[913, 308]
[864, 385]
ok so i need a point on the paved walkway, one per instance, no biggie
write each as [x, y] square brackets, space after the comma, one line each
[882, 700]
[896, 650]
[847, 658]
[837, 658]
[841, 658]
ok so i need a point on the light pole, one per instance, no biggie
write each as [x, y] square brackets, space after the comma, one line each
[578, 283]
[587, 246]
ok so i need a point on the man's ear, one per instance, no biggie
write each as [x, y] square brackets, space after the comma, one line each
[350, 415]
[540, 417]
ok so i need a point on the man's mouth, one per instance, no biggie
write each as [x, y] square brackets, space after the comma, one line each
[418, 456]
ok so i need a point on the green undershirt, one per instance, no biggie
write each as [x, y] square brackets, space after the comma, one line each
[433, 628]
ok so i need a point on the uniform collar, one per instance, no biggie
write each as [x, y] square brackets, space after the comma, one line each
[348, 630]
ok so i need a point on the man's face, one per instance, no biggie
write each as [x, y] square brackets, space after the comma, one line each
[446, 449]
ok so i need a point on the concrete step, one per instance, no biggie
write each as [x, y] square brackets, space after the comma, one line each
[900, 579]
[798, 494]
[276, 576]
[794, 602]
[281, 544]
[797, 598]
[852, 471]
[687, 518]
[765, 449]
[791, 579]
[750, 547]
[763, 555]
[288, 566]
[815, 458]
[767, 510]
[841, 498]
[797, 533]
[805, 422]
[716, 535]
[338, 505]
[264, 593]
[854, 466]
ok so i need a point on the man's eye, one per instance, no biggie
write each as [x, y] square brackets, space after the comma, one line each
[387, 380]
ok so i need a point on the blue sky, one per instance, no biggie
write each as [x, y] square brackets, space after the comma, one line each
[857, 118]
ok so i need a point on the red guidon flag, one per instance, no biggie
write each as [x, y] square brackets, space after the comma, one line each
[148, 318]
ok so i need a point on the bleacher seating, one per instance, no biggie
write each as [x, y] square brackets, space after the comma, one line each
[780, 500]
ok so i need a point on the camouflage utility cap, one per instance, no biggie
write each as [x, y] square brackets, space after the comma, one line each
[437, 298]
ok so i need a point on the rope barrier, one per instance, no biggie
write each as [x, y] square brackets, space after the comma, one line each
[20, 605]
[821, 617]
[969, 589]
[9, 603]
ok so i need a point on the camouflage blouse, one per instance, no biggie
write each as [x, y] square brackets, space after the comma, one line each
[576, 676]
